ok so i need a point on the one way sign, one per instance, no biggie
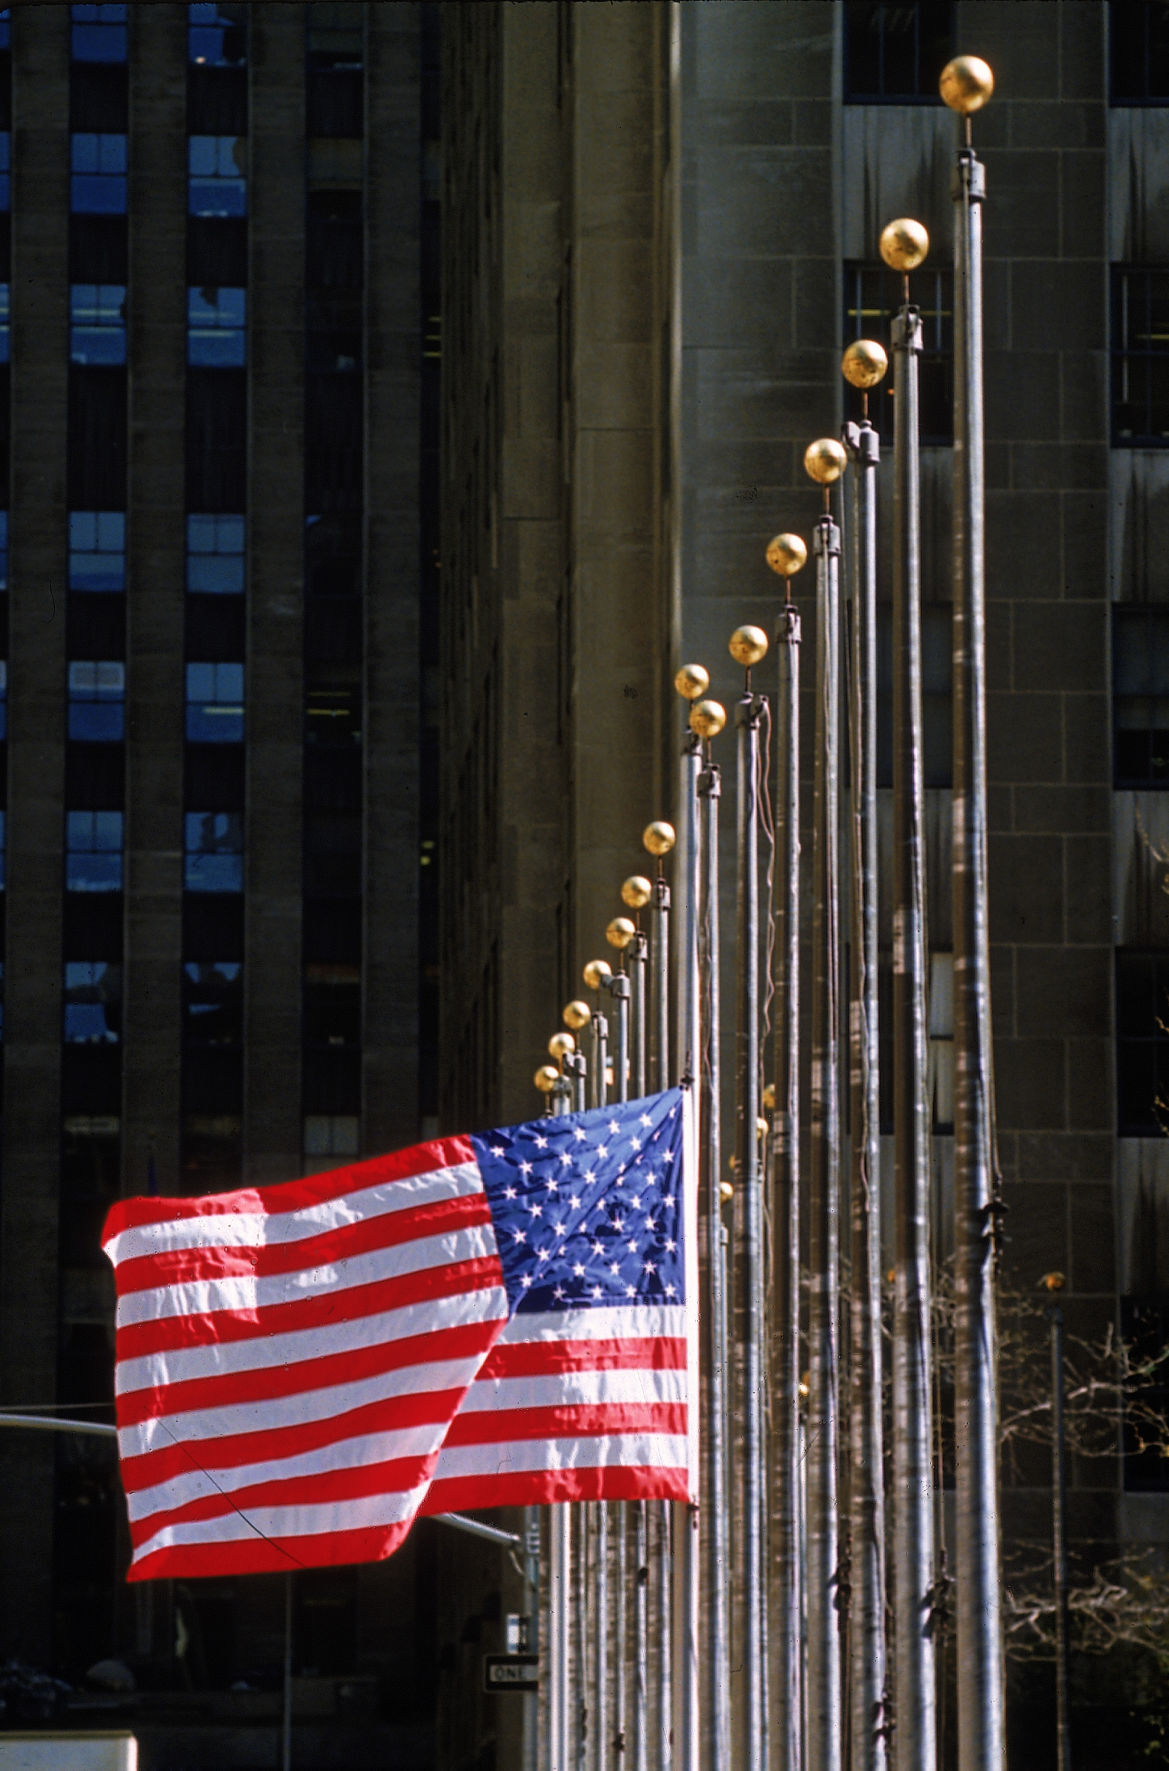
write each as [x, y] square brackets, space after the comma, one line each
[510, 1672]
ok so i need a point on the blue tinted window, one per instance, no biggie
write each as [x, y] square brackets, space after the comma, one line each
[217, 328]
[217, 35]
[213, 859]
[93, 851]
[99, 33]
[215, 555]
[217, 184]
[93, 1002]
[98, 184]
[97, 322]
[215, 703]
[97, 550]
[5, 27]
[213, 1002]
[97, 700]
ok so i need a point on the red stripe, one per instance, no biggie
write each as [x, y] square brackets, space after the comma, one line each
[263, 1555]
[231, 1388]
[165, 1334]
[455, 1494]
[395, 1476]
[270, 1444]
[177, 1266]
[539, 1358]
[297, 1195]
[583, 1420]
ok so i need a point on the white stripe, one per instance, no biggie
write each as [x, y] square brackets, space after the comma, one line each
[295, 1410]
[246, 1292]
[179, 1364]
[570, 1388]
[616, 1323]
[351, 1454]
[660, 1451]
[262, 1229]
[311, 1521]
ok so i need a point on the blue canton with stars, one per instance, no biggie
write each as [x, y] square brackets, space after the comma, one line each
[588, 1206]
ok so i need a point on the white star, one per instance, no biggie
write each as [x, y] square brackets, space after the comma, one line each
[671, 1247]
[631, 1246]
[558, 1229]
[525, 1168]
[673, 1113]
[497, 1150]
[614, 1267]
[578, 1271]
[667, 1199]
[519, 1235]
[544, 1254]
[646, 1120]
[635, 1143]
[579, 1134]
[558, 1294]
[596, 1291]
[566, 1159]
[630, 1291]
[667, 1156]
[589, 1175]
[649, 1224]
[602, 1151]
[526, 1280]
[540, 1143]
[598, 1248]
[636, 1204]
[618, 1223]
[574, 1202]
[509, 1192]
[671, 1290]
[537, 1211]
[613, 1126]
[648, 1267]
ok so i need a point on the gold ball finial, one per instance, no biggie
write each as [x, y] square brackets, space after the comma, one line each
[726, 1190]
[966, 83]
[786, 554]
[619, 933]
[824, 460]
[576, 1014]
[636, 891]
[748, 645]
[761, 1128]
[864, 363]
[769, 1098]
[546, 1078]
[561, 1045]
[1053, 1281]
[708, 718]
[658, 838]
[692, 681]
[904, 244]
[596, 973]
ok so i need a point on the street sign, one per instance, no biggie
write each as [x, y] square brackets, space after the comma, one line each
[510, 1672]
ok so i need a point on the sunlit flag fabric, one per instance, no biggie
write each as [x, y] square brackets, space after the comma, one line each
[479, 1321]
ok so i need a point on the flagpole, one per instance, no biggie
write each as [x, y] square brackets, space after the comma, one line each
[658, 839]
[966, 85]
[708, 718]
[558, 1658]
[636, 893]
[786, 555]
[824, 461]
[748, 646]
[597, 975]
[691, 682]
[904, 245]
[864, 365]
[619, 933]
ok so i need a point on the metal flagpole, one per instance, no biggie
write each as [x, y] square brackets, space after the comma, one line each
[966, 85]
[824, 461]
[619, 933]
[1053, 1283]
[658, 839]
[904, 245]
[786, 555]
[558, 1660]
[636, 893]
[748, 646]
[597, 974]
[691, 682]
[865, 364]
[708, 718]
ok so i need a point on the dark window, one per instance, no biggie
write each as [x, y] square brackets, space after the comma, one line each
[335, 101]
[215, 626]
[212, 1079]
[1140, 355]
[872, 297]
[937, 645]
[213, 1002]
[217, 165]
[213, 928]
[92, 923]
[99, 98]
[331, 1080]
[215, 703]
[1138, 42]
[334, 34]
[217, 328]
[217, 34]
[217, 252]
[217, 100]
[93, 851]
[1140, 696]
[91, 1152]
[99, 33]
[4, 561]
[332, 854]
[333, 442]
[3, 699]
[334, 330]
[97, 439]
[333, 716]
[211, 1152]
[215, 554]
[333, 556]
[213, 852]
[1144, 1327]
[6, 170]
[91, 1079]
[97, 249]
[332, 1005]
[93, 1002]
[4, 326]
[97, 322]
[333, 779]
[332, 635]
[97, 550]
[95, 625]
[1142, 1043]
[331, 1135]
[98, 182]
[216, 439]
[213, 775]
[95, 776]
[334, 240]
[332, 931]
[895, 53]
[97, 700]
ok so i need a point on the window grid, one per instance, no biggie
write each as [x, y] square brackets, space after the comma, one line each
[216, 185]
[894, 52]
[872, 299]
[93, 851]
[215, 555]
[1138, 43]
[213, 858]
[217, 34]
[92, 1002]
[1140, 355]
[97, 329]
[99, 33]
[215, 703]
[97, 550]
[98, 167]
[1142, 1043]
[1140, 696]
[97, 700]
[217, 328]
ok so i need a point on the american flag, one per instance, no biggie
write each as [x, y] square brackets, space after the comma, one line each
[479, 1321]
